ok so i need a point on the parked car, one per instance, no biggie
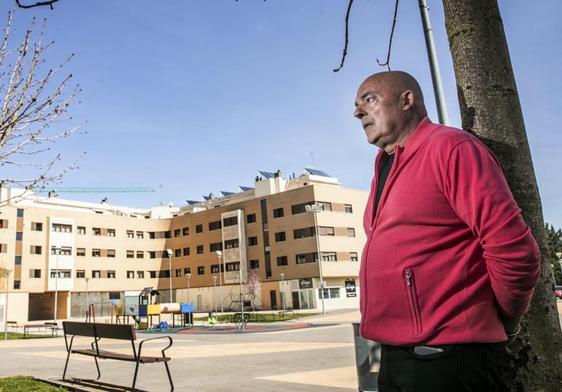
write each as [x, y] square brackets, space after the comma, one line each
[558, 292]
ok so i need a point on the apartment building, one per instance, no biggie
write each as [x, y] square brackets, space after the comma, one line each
[265, 241]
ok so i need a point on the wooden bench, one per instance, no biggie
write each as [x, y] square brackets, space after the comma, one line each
[99, 331]
[47, 326]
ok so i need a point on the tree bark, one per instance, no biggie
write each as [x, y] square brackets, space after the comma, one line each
[490, 107]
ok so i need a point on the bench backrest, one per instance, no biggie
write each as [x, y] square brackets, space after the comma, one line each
[100, 330]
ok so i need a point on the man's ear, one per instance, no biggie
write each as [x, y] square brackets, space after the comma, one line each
[407, 99]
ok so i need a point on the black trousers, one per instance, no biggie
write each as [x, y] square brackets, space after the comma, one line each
[459, 368]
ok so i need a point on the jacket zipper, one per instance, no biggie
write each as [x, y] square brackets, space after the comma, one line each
[413, 300]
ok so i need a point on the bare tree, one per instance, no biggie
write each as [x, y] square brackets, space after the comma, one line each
[48, 3]
[34, 109]
[490, 106]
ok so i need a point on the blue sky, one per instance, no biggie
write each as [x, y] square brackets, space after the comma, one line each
[192, 97]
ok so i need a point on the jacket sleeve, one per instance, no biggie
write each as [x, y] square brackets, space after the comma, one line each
[479, 194]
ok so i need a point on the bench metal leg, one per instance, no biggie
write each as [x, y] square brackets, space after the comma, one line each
[135, 376]
[66, 365]
[169, 375]
[97, 368]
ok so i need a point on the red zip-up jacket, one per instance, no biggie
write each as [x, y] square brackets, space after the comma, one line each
[447, 248]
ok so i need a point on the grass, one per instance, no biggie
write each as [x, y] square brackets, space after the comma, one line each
[260, 317]
[19, 335]
[28, 384]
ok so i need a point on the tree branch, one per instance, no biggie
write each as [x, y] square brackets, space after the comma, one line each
[387, 62]
[346, 35]
[37, 4]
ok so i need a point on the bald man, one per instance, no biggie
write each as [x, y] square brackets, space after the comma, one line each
[449, 266]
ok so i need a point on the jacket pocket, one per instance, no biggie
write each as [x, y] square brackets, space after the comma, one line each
[413, 301]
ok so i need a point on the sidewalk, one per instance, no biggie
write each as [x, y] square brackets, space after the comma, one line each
[314, 359]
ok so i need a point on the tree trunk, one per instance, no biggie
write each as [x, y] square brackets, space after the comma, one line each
[490, 106]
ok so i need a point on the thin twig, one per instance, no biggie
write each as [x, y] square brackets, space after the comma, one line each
[346, 36]
[37, 4]
[387, 62]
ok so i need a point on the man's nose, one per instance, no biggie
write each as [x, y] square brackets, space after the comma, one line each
[358, 113]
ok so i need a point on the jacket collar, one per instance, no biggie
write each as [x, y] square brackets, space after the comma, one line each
[416, 139]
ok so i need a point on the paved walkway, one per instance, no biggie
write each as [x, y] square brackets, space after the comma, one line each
[305, 359]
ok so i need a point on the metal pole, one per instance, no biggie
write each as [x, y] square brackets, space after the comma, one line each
[283, 290]
[315, 208]
[215, 293]
[57, 250]
[221, 280]
[87, 297]
[241, 296]
[8, 272]
[433, 64]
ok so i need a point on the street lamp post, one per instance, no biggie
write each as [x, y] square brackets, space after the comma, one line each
[283, 289]
[169, 252]
[87, 299]
[315, 209]
[219, 254]
[215, 293]
[190, 313]
[8, 272]
[241, 296]
[57, 251]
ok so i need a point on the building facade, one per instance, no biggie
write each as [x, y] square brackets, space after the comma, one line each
[266, 242]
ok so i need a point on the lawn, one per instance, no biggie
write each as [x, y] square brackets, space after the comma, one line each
[19, 335]
[28, 384]
[260, 317]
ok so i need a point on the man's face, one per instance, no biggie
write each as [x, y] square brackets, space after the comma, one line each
[379, 110]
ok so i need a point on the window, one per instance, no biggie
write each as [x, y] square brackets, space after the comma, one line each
[17, 283]
[333, 292]
[215, 246]
[168, 234]
[201, 270]
[278, 213]
[353, 256]
[130, 254]
[177, 252]
[186, 251]
[111, 253]
[130, 274]
[151, 254]
[230, 244]
[303, 233]
[152, 274]
[199, 249]
[35, 273]
[282, 261]
[140, 235]
[177, 233]
[216, 225]
[329, 256]
[111, 232]
[60, 273]
[110, 274]
[114, 295]
[140, 274]
[63, 250]
[178, 272]
[3, 248]
[299, 208]
[279, 237]
[198, 228]
[80, 274]
[36, 226]
[19, 235]
[214, 269]
[325, 230]
[325, 205]
[250, 218]
[96, 252]
[36, 249]
[17, 260]
[130, 234]
[96, 231]
[254, 264]
[20, 213]
[233, 266]
[164, 273]
[185, 231]
[232, 221]
[81, 230]
[140, 254]
[80, 251]
[307, 258]
[3, 223]
[186, 270]
[348, 208]
[151, 235]
[252, 241]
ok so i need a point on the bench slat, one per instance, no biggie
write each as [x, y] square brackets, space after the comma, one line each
[103, 354]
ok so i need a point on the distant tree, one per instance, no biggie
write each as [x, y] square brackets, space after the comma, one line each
[34, 109]
[554, 244]
[253, 287]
